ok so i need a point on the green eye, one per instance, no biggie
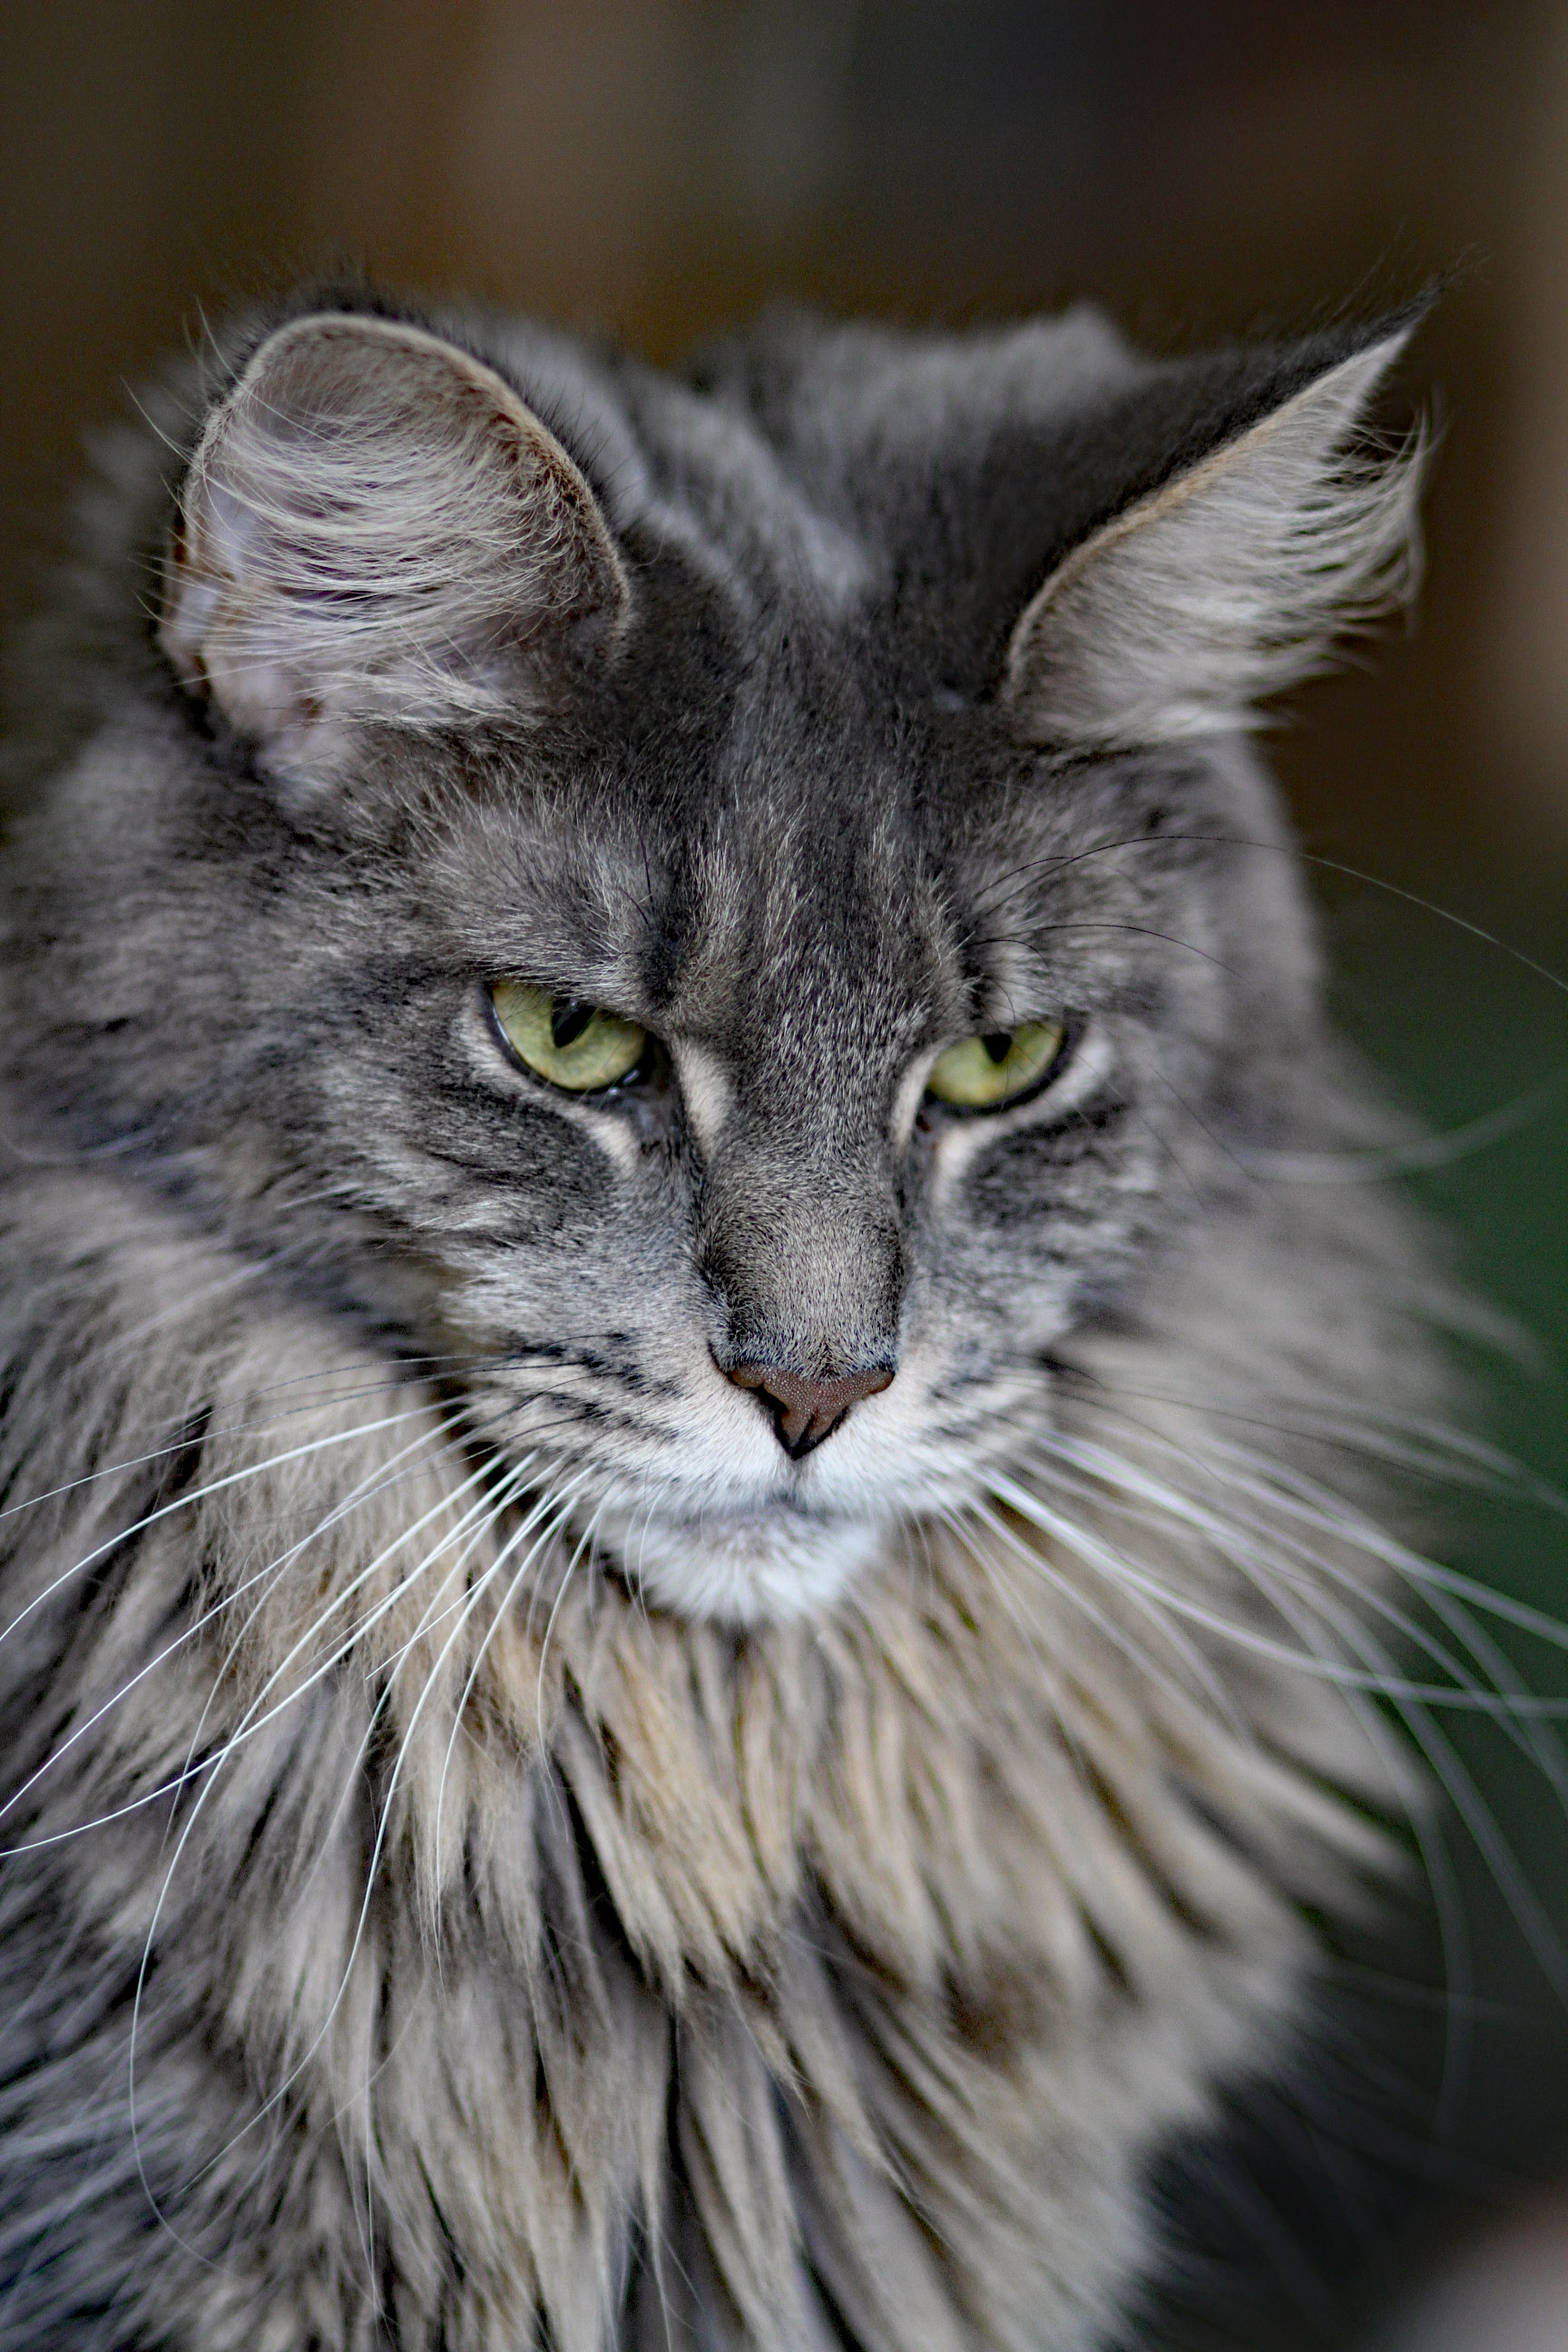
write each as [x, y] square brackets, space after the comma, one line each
[985, 1073]
[573, 1045]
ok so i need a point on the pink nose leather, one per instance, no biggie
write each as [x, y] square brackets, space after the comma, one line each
[807, 1410]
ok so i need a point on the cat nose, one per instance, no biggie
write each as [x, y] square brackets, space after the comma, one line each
[805, 1411]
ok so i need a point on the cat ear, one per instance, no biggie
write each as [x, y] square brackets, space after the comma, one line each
[1228, 582]
[375, 528]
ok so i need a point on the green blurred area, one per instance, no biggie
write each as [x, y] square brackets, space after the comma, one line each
[1461, 1026]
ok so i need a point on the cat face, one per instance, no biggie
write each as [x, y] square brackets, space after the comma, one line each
[768, 1291]
[733, 961]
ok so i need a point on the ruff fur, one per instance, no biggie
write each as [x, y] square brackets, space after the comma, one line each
[480, 1953]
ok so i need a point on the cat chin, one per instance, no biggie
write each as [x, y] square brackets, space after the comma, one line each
[753, 1568]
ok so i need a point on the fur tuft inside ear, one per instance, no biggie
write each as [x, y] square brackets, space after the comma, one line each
[375, 529]
[1230, 583]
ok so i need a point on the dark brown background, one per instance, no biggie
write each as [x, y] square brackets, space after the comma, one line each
[661, 167]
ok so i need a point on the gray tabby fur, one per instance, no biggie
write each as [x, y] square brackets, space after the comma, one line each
[501, 1853]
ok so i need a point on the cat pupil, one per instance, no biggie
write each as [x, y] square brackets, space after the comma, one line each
[998, 1044]
[568, 1019]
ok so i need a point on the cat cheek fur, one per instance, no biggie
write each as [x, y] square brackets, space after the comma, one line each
[507, 1844]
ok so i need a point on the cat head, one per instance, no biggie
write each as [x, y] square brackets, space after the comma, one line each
[732, 914]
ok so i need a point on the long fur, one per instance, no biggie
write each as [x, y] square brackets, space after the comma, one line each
[463, 1886]
[614, 1967]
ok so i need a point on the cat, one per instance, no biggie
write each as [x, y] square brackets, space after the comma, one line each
[684, 1632]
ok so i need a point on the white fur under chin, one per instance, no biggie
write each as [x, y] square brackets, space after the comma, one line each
[752, 1568]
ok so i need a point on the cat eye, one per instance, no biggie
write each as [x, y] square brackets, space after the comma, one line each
[579, 1046]
[988, 1072]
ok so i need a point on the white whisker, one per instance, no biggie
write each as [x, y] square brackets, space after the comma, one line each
[488, 1512]
[201, 1494]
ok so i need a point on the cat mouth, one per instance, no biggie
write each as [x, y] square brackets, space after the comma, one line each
[761, 1563]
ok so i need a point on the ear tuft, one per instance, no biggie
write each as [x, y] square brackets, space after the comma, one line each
[1230, 583]
[374, 529]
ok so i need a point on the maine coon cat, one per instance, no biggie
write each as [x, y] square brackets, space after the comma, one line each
[684, 1641]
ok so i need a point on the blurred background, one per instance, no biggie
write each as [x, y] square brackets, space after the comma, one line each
[658, 169]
